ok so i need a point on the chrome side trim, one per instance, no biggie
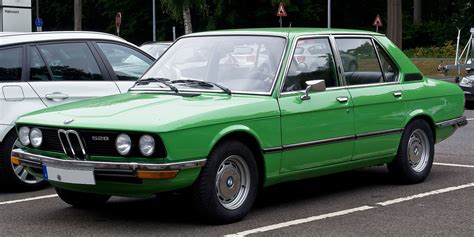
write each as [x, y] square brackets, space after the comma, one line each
[26, 157]
[318, 142]
[379, 133]
[330, 140]
[457, 122]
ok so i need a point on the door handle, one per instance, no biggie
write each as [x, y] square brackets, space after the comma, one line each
[397, 93]
[342, 99]
[56, 96]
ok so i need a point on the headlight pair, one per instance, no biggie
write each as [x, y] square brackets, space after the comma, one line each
[32, 136]
[146, 144]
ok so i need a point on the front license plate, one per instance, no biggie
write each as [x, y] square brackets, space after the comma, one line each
[69, 175]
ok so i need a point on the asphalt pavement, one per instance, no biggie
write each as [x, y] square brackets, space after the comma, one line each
[364, 202]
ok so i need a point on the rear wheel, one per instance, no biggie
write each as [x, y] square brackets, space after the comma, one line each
[227, 186]
[82, 200]
[415, 153]
[16, 177]
[469, 104]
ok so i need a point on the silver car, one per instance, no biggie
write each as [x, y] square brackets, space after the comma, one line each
[39, 70]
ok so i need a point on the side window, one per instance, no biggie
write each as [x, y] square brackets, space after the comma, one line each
[359, 61]
[71, 62]
[388, 68]
[11, 64]
[38, 69]
[127, 63]
[313, 60]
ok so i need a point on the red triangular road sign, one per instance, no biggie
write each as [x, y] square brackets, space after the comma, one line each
[377, 21]
[281, 10]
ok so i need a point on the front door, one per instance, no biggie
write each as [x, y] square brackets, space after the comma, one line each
[67, 72]
[379, 109]
[318, 131]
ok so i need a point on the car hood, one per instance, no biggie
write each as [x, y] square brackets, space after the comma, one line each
[159, 112]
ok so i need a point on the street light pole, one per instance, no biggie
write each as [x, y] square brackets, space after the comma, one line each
[37, 9]
[154, 21]
[329, 13]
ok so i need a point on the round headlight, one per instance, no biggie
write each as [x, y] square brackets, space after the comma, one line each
[147, 145]
[36, 137]
[123, 143]
[24, 135]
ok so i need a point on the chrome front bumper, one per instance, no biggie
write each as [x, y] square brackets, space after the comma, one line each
[36, 161]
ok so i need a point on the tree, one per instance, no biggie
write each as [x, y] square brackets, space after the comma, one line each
[394, 21]
[182, 8]
[417, 6]
[77, 15]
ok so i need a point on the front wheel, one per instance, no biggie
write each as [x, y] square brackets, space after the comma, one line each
[81, 200]
[227, 186]
[415, 153]
[16, 177]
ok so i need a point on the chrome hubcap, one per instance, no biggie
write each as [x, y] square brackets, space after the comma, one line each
[232, 182]
[20, 171]
[418, 150]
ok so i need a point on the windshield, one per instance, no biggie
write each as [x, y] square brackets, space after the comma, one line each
[239, 63]
[155, 49]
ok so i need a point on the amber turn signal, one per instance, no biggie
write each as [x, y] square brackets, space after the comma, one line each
[15, 160]
[167, 174]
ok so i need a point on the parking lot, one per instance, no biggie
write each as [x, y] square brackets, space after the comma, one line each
[362, 202]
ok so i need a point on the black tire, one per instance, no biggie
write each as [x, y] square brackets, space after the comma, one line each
[469, 104]
[82, 200]
[8, 178]
[205, 191]
[400, 167]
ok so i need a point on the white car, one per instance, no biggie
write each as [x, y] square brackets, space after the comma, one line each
[39, 70]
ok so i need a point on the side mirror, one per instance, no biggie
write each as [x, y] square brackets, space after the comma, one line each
[314, 85]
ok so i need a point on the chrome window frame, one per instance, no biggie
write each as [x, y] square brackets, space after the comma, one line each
[268, 93]
[292, 52]
[372, 40]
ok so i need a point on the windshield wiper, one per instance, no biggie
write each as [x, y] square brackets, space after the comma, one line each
[204, 83]
[164, 81]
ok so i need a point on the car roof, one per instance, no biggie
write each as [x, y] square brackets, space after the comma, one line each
[9, 38]
[286, 32]
[157, 43]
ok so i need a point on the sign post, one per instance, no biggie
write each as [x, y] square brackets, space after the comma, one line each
[39, 24]
[377, 23]
[118, 21]
[281, 13]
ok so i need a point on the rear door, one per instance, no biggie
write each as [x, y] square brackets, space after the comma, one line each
[124, 63]
[16, 96]
[67, 71]
[379, 109]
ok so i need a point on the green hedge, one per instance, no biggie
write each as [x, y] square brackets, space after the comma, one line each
[448, 50]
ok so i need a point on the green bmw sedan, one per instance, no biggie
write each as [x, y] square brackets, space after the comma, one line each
[222, 114]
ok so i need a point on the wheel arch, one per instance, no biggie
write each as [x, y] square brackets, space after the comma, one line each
[6, 132]
[249, 138]
[419, 114]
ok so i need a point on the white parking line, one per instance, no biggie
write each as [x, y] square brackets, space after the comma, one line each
[347, 211]
[470, 119]
[454, 165]
[28, 199]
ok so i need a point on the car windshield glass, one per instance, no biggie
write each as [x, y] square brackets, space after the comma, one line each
[239, 63]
